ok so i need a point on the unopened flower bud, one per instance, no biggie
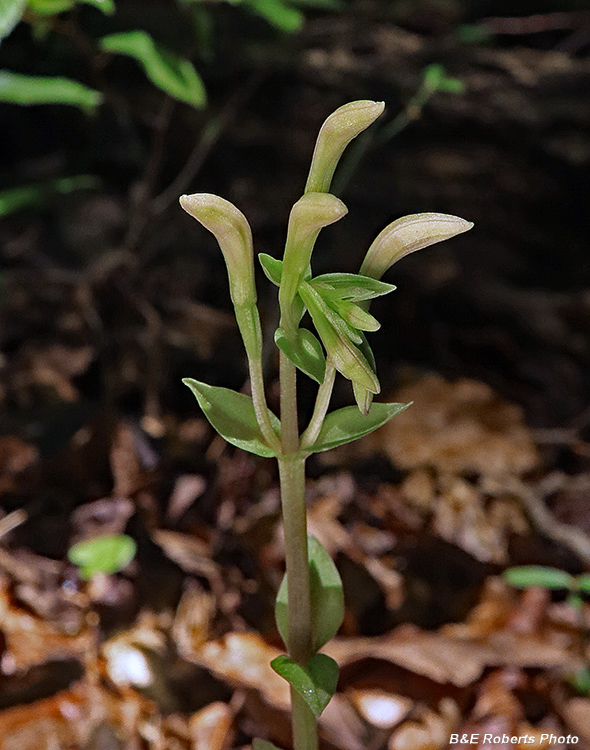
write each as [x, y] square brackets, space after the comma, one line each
[408, 234]
[336, 133]
[309, 215]
[233, 233]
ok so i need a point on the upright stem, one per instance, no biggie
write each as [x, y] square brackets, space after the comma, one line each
[292, 478]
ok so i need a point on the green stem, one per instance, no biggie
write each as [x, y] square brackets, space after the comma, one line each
[289, 425]
[322, 403]
[305, 736]
[292, 479]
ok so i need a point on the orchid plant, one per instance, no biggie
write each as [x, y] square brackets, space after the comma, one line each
[309, 606]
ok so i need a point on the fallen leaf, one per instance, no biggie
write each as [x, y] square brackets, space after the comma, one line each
[211, 727]
[379, 708]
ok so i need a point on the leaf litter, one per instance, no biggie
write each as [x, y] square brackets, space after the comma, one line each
[179, 657]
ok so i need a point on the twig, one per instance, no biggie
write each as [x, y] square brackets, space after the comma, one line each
[534, 24]
[571, 537]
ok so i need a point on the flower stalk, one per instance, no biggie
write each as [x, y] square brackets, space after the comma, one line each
[309, 606]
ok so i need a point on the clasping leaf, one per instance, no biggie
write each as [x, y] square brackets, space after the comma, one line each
[316, 683]
[327, 599]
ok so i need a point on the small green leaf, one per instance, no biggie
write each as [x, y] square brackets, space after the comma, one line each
[50, 7]
[316, 683]
[320, 4]
[451, 85]
[108, 553]
[11, 12]
[305, 352]
[353, 286]
[583, 583]
[580, 681]
[17, 88]
[281, 16]
[473, 33]
[173, 74]
[106, 6]
[232, 415]
[348, 424]
[327, 599]
[263, 745]
[350, 312]
[273, 268]
[15, 199]
[533, 576]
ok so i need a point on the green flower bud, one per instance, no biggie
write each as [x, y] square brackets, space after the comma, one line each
[334, 332]
[336, 133]
[233, 233]
[408, 234]
[309, 215]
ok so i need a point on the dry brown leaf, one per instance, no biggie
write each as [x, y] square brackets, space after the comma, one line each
[430, 732]
[16, 457]
[193, 619]
[187, 489]
[31, 640]
[243, 660]
[456, 428]
[211, 727]
[447, 658]
[56, 722]
[380, 708]
[577, 714]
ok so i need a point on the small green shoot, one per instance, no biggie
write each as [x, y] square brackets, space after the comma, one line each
[576, 590]
[104, 554]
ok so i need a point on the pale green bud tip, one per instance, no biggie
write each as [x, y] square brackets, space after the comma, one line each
[408, 234]
[232, 231]
[313, 211]
[336, 133]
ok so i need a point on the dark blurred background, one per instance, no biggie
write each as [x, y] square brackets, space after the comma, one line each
[110, 294]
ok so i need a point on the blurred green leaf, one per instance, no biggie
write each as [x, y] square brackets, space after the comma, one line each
[348, 424]
[316, 683]
[327, 598]
[580, 681]
[17, 88]
[49, 7]
[173, 74]
[102, 554]
[232, 415]
[530, 576]
[52, 7]
[319, 4]
[263, 745]
[11, 12]
[278, 14]
[583, 583]
[15, 199]
[473, 33]
[436, 79]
